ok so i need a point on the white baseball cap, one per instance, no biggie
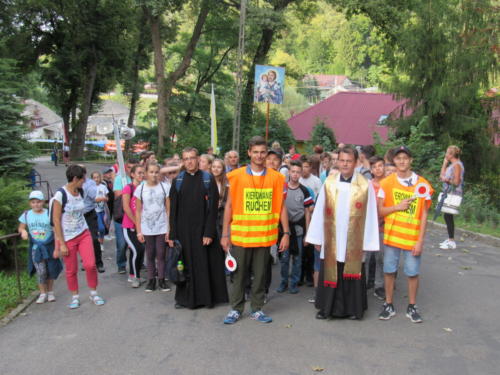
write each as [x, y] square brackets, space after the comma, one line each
[36, 194]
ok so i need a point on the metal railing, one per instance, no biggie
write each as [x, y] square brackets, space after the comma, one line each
[13, 239]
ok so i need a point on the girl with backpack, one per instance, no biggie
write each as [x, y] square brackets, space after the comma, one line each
[151, 221]
[35, 225]
[73, 235]
[128, 224]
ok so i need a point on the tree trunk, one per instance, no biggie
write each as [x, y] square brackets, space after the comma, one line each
[80, 130]
[174, 76]
[161, 113]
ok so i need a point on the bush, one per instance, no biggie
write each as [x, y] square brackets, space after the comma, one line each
[13, 200]
[324, 136]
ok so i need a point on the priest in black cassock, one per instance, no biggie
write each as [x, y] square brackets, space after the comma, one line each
[193, 214]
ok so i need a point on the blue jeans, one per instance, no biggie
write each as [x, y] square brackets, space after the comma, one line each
[296, 265]
[391, 261]
[121, 246]
[101, 227]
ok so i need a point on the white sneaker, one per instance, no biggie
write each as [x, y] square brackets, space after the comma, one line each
[448, 245]
[41, 298]
[51, 297]
[445, 242]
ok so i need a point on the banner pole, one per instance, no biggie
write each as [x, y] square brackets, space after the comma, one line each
[267, 123]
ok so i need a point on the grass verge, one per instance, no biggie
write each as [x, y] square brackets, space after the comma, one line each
[9, 297]
[484, 228]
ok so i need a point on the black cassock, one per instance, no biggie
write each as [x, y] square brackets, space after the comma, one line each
[193, 215]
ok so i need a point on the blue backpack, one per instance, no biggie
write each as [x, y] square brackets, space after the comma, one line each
[206, 177]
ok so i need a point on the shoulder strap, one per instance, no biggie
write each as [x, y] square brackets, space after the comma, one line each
[179, 180]
[206, 180]
[164, 192]
[142, 191]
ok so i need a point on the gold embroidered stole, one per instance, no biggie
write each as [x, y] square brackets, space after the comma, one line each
[355, 232]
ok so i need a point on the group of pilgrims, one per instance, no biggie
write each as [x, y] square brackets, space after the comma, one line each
[336, 223]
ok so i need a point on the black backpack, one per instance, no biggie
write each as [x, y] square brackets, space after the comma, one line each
[63, 204]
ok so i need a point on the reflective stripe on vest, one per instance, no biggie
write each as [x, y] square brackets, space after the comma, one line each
[256, 203]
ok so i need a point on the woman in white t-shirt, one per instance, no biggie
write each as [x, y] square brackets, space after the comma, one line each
[151, 222]
[73, 235]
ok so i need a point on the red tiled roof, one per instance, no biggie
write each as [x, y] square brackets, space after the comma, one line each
[328, 80]
[353, 116]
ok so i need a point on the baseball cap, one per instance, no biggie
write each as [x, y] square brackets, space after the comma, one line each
[36, 194]
[275, 152]
[107, 170]
[404, 149]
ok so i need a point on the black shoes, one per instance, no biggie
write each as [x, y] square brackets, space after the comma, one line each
[151, 285]
[388, 312]
[320, 315]
[412, 313]
[163, 285]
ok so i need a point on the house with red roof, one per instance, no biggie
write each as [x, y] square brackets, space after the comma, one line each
[353, 116]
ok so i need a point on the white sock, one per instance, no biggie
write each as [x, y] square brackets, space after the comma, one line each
[93, 293]
[51, 293]
[75, 296]
[43, 294]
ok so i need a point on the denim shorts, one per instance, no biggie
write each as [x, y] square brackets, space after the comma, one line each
[317, 254]
[391, 261]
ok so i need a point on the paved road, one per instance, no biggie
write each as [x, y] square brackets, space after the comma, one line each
[139, 333]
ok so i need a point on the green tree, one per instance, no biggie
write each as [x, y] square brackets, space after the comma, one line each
[15, 150]
[324, 136]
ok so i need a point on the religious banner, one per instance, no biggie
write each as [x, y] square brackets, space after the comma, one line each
[269, 84]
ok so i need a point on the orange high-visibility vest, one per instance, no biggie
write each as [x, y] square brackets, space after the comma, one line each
[256, 203]
[402, 228]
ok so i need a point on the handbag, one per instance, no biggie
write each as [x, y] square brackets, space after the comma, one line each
[175, 274]
[451, 203]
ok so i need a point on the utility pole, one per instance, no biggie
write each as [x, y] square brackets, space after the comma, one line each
[239, 77]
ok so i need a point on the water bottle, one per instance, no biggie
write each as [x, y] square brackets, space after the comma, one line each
[180, 272]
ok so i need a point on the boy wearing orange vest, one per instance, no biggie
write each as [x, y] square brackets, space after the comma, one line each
[404, 199]
[253, 210]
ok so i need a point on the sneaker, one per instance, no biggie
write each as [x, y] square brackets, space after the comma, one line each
[122, 270]
[101, 269]
[379, 293]
[136, 283]
[312, 299]
[130, 279]
[51, 297]
[261, 317]
[412, 313]
[293, 290]
[98, 301]
[163, 285]
[448, 245]
[232, 317]
[75, 303]
[445, 242]
[41, 298]
[151, 286]
[388, 312]
[282, 288]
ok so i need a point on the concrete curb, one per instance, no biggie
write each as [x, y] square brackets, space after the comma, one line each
[487, 239]
[19, 309]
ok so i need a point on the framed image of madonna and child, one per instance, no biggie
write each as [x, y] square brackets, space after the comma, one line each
[269, 84]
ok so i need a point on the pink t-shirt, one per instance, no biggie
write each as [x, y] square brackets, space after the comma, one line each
[128, 222]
